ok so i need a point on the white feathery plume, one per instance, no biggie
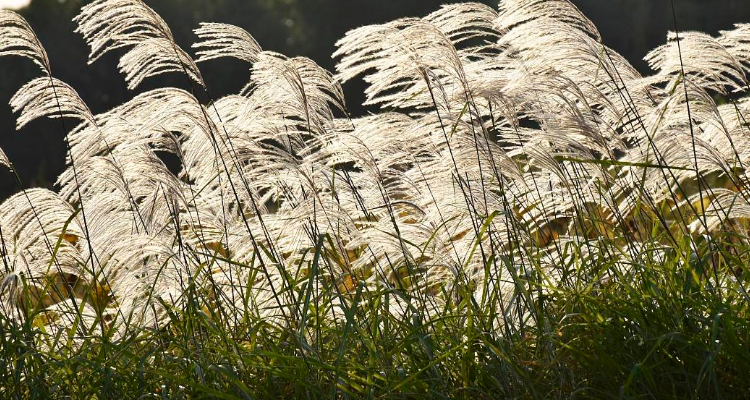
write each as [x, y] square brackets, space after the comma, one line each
[18, 39]
[518, 12]
[103, 174]
[224, 40]
[403, 57]
[737, 43]
[301, 88]
[23, 222]
[150, 118]
[5, 161]
[466, 22]
[33, 222]
[107, 25]
[49, 97]
[703, 58]
[155, 56]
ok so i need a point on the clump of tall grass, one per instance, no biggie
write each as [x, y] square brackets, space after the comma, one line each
[525, 216]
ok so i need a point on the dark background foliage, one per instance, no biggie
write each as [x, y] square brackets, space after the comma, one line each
[292, 27]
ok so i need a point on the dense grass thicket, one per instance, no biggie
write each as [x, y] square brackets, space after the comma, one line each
[524, 216]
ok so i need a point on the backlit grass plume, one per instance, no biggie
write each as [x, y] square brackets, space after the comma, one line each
[514, 167]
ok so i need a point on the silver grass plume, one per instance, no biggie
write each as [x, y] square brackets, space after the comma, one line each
[224, 40]
[4, 160]
[107, 25]
[49, 97]
[18, 39]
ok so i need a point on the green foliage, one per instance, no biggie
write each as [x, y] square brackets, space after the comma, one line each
[659, 330]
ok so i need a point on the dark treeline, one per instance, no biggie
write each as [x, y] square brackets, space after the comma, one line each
[293, 27]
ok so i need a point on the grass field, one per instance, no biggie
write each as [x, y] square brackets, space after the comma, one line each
[523, 215]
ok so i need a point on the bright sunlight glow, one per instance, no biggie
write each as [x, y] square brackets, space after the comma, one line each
[14, 4]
